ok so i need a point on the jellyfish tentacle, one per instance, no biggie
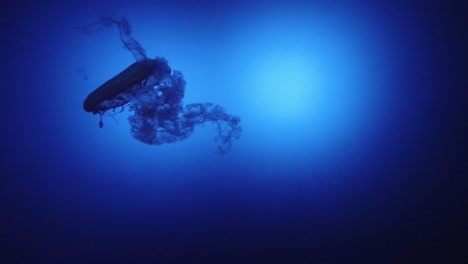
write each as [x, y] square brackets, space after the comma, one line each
[101, 124]
[108, 19]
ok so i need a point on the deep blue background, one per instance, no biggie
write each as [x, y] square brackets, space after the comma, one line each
[354, 147]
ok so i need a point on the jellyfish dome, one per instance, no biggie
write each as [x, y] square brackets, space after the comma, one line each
[120, 90]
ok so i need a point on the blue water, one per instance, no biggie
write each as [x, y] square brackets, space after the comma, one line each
[353, 147]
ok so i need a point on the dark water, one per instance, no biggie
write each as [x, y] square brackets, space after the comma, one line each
[353, 149]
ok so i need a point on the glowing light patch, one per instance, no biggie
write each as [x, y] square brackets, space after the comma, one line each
[312, 80]
[287, 82]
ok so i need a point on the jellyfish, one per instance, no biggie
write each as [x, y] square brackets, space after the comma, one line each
[153, 93]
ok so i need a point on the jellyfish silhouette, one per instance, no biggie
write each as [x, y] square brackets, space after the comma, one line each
[153, 93]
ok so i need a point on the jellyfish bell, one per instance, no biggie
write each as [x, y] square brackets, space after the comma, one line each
[127, 85]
